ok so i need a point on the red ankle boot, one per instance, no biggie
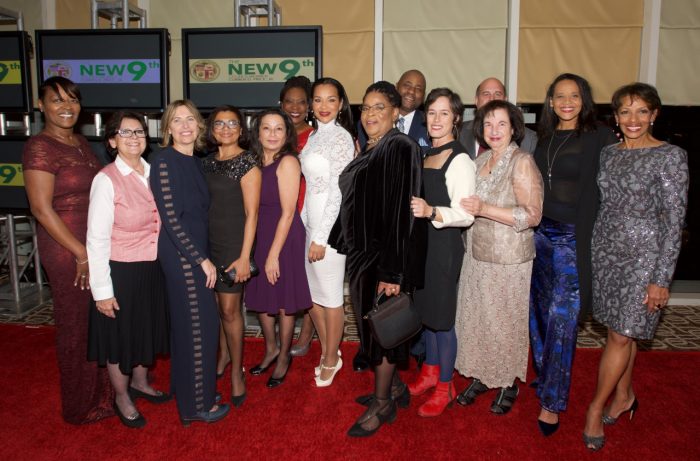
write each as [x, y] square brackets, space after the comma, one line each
[442, 398]
[426, 380]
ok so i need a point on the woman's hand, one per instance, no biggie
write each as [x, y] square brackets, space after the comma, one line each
[82, 274]
[656, 298]
[107, 307]
[420, 208]
[272, 270]
[389, 289]
[472, 205]
[242, 270]
[210, 272]
[316, 252]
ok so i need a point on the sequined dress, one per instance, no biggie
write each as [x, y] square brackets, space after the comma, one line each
[637, 235]
[226, 211]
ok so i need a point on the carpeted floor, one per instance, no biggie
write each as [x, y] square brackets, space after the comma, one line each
[679, 329]
[298, 421]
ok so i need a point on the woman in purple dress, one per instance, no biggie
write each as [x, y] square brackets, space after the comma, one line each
[280, 239]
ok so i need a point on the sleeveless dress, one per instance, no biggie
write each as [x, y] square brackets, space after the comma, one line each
[291, 292]
[437, 301]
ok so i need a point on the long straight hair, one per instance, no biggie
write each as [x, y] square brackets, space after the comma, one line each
[586, 118]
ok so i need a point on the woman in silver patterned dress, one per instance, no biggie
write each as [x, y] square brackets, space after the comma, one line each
[636, 240]
[494, 286]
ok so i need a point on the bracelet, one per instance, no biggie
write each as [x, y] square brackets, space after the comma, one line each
[81, 262]
[433, 214]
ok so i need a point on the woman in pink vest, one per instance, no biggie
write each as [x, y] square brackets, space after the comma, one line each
[129, 325]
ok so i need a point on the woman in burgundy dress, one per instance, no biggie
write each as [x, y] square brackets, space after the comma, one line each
[58, 170]
[283, 288]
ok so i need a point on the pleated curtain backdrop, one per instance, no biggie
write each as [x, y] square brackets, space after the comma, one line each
[598, 39]
[679, 53]
[455, 43]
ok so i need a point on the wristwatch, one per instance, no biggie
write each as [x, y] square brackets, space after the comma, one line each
[433, 214]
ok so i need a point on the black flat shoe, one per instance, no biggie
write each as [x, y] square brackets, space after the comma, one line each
[469, 395]
[258, 369]
[160, 397]
[274, 382]
[547, 429]
[505, 399]
[360, 362]
[207, 416]
[135, 421]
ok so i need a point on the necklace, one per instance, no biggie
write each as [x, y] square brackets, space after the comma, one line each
[373, 141]
[554, 157]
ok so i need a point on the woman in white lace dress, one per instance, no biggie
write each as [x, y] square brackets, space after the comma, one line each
[329, 149]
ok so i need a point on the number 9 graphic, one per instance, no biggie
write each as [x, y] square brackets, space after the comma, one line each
[7, 173]
[289, 67]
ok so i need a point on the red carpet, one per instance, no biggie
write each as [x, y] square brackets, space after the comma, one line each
[299, 421]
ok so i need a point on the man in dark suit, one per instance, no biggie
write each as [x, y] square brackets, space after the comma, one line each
[411, 87]
[488, 90]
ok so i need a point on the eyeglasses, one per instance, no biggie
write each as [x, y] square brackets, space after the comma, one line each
[220, 124]
[372, 109]
[129, 133]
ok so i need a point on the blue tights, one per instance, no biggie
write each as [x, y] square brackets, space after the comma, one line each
[441, 349]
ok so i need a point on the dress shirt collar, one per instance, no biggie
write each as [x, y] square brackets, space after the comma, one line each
[126, 170]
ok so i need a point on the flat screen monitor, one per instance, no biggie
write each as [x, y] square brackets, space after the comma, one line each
[15, 79]
[114, 69]
[247, 66]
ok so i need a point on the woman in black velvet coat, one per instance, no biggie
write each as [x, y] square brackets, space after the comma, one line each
[385, 246]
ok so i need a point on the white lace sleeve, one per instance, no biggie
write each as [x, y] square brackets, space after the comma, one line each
[99, 236]
[339, 151]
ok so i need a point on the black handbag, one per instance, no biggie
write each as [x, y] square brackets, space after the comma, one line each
[393, 320]
[228, 278]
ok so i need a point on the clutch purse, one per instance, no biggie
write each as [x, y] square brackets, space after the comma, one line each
[393, 319]
[227, 278]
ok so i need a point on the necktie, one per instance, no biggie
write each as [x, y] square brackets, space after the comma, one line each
[400, 124]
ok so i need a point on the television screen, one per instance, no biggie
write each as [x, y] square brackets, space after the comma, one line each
[15, 80]
[247, 66]
[114, 69]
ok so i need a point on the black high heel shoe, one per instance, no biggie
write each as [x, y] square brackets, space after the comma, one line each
[135, 421]
[547, 429]
[274, 382]
[358, 431]
[207, 416]
[593, 443]
[259, 369]
[237, 400]
[609, 420]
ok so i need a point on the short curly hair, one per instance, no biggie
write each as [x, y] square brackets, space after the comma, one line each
[514, 115]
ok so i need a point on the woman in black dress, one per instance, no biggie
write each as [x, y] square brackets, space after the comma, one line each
[234, 188]
[448, 177]
[377, 231]
[183, 202]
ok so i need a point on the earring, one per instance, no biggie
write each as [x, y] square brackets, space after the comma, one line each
[652, 123]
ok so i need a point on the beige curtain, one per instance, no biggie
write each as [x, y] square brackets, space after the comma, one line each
[597, 39]
[455, 43]
[679, 53]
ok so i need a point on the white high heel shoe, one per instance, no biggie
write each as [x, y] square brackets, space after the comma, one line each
[317, 370]
[325, 383]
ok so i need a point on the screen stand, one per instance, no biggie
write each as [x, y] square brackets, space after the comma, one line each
[99, 129]
[3, 124]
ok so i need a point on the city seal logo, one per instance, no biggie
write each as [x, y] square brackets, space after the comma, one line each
[58, 69]
[204, 70]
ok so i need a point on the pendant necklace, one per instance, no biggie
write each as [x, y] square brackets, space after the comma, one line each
[554, 157]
